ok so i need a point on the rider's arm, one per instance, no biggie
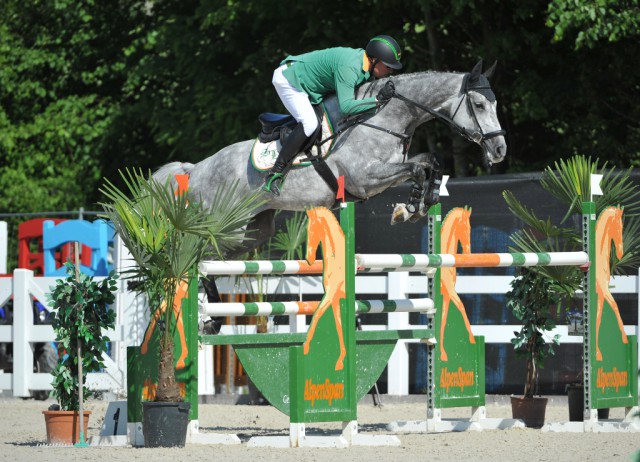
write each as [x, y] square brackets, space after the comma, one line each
[345, 81]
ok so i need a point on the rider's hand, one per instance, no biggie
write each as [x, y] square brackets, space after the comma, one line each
[387, 92]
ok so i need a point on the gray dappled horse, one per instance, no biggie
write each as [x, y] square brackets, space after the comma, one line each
[370, 150]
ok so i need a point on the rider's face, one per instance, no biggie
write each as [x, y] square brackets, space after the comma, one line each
[381, 70]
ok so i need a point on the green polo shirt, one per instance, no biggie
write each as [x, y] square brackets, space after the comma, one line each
[334, 70]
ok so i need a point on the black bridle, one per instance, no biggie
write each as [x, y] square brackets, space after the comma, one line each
[477, 135]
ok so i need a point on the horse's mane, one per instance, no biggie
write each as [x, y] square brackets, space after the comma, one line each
[370, 86]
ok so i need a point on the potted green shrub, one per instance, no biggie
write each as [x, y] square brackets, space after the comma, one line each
[570, 182]
[167, 234]
[531, 298]
[81, 315]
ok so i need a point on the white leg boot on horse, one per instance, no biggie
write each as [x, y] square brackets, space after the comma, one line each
[292, 146]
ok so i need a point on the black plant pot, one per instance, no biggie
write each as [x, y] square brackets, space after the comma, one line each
[164, 425]
[575, 397]
[530, 410]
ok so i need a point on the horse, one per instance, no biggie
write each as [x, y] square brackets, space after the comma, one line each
[325, 230]
[456, 229]
[370, 151]
[608, 228]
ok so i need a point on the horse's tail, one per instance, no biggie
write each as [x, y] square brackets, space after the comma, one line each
[168, 171]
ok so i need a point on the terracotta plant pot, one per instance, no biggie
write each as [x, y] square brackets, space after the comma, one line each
[530, 410]
[63, 427]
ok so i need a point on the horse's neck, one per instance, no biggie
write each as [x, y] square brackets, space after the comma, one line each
[435, 90]
[432, 89]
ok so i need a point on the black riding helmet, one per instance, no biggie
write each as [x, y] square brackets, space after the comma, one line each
[385, 49]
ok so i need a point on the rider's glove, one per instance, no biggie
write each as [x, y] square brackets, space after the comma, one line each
[387, 92]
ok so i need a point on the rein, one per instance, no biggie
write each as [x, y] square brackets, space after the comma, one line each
[476, 136]
[353, 121]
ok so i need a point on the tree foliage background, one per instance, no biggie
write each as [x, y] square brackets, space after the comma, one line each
[88, 87]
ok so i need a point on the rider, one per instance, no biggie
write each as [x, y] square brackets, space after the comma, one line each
[306, 79]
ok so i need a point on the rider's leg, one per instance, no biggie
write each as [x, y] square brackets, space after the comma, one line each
[293, 144]
[298, 104]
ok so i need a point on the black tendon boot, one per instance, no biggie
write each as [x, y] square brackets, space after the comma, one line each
[292, 145]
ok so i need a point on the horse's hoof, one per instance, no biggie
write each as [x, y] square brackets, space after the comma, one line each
[340, 365]
[399, 215]
[180, 365]
[419, 214]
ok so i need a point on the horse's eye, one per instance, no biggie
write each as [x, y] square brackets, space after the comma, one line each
[479, 106]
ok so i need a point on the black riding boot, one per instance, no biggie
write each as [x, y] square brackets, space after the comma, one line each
[292, 146]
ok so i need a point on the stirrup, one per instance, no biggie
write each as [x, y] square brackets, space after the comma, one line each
[273, 182]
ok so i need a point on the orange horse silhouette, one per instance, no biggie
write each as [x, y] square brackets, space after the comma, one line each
[608, 228]
[456, 228]
[181, 292]
[324, 229]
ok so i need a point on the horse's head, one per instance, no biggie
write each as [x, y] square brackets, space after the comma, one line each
[478, 119]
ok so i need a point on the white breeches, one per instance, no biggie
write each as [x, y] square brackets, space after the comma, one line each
[296, 101]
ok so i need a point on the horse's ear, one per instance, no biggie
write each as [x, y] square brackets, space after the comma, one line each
[477, 69]
[489, 72]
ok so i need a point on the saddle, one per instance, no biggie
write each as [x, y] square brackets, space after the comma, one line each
[275, 126]
[278, 126]
[274, 129]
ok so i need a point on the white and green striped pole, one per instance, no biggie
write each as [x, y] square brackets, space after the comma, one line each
[377, 263]
[415, 305]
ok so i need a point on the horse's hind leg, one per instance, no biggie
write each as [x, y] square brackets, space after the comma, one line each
[260, 229]
[213, 325]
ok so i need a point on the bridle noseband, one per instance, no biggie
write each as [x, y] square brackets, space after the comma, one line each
[477, 136]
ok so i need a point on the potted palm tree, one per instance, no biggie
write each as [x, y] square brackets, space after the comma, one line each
[81, 316]
[167, 234]
[551, 286]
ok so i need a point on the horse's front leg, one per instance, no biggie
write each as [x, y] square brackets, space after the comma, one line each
[378, 177]
[432, 195]
[431, 192]
[414, 205]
